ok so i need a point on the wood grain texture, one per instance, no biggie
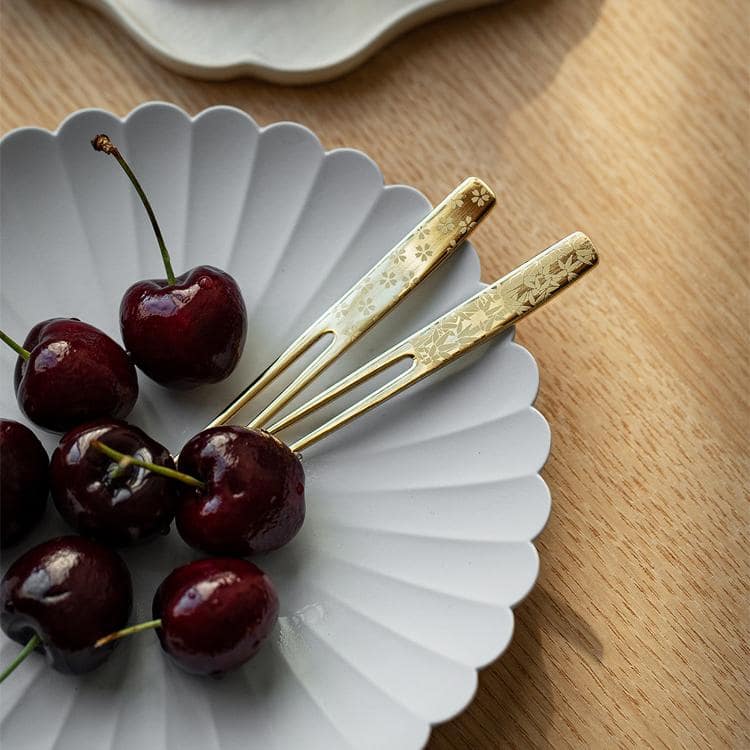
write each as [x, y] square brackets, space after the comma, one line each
[628, 120]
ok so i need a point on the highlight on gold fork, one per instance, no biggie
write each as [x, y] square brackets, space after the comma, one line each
[470, 324]
[422, 250]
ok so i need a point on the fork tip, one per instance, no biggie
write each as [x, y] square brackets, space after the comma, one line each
[585, 247]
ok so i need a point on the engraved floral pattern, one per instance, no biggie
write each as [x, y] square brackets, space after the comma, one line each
[441, 340]
[466, 224]
[366, 305]
[568, 267]
[388, 279]
[480, 196]
[585, 253]
[446, 225]
[502, 303]
[487, 312]
[400, 255]
[513, 301]
[538, 285]
[398, 271]
[423, 252]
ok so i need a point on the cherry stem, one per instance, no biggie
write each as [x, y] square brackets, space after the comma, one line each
[25, 353]
[123, 460]
[104, 144]
[32, 643]
[127, 631]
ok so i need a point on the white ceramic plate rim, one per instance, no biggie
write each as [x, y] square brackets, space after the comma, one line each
[329, 67]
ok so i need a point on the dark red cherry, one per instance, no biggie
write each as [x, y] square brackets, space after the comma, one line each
[24, 481]
[101, 500]
[254, 495]
[187, 333]
[74, 373]
[181, 331]
[69, 592]
[215, 613]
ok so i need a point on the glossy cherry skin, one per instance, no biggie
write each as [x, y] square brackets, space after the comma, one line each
[69, 591]
[24, 481]
[187, 334]
[97, 501]
[215, 613]
[75, 373]
[254, 499]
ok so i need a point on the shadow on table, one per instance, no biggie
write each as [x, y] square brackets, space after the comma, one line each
[535, 36]
[514, 703]
[526, 40]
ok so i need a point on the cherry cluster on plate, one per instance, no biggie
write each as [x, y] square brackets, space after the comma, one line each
[233, 491]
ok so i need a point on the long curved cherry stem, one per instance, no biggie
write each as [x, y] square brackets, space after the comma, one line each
[127, 631]
[32, 643]
[124, 460]
[104, 144]
[25, 353]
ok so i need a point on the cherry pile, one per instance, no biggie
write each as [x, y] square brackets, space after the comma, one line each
[234, 492]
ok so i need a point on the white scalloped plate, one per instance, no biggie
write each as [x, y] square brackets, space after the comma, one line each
[285, 41]
[417, 542]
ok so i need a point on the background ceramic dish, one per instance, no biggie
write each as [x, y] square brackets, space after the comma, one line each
[420, 514]
[285, 41]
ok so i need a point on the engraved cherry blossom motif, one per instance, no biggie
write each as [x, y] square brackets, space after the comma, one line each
[341, 313]
[423, 252]
[480, 196]
[388, 279]
[366, 305]
[446, 226]
[424, 233]
[458, 202]
[358, 294]
[465, 225]
[400, 257]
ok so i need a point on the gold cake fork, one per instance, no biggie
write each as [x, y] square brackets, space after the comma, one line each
[431, 242]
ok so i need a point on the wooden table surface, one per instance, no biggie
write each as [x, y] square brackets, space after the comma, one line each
[628, 120]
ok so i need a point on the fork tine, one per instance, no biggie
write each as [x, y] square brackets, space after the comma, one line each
[306, 376]
[433, 240]
[279, 366]
[372, 368]
[391, 388]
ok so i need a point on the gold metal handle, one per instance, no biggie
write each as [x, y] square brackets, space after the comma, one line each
[467, 326]
[433, 240]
